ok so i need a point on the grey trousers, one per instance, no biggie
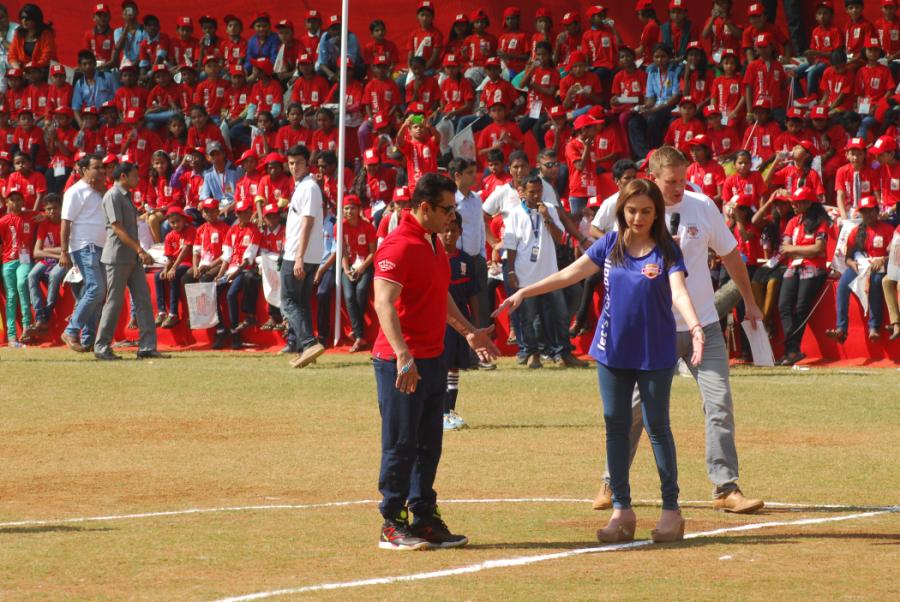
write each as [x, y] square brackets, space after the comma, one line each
[715, 391]
[481, 277]
[119, 276]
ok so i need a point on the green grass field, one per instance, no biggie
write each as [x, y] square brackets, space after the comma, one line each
[207, 431]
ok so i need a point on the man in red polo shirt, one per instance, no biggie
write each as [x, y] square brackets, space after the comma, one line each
[412, 299]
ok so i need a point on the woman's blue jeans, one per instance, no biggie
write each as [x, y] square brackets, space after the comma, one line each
[617, 390]
[876, 299]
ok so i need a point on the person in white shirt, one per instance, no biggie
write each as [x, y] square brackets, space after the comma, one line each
[82, 236]
[532, 229]
[697, 226]
[303, 247]
[474, 231]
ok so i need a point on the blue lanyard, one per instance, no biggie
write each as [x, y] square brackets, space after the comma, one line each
[535, 221]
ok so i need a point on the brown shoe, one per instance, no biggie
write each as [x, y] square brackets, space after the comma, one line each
[534, 361]
[71, 342]
[169, 322]
[308, 356]
[570, 361]
[247, 323]
[618, 530]
[673, 533]
[736, 502]
[268, 325]
[160, 318]
[603, 501]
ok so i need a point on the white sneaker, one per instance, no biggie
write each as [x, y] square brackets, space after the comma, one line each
[449, 423]
[457, 420]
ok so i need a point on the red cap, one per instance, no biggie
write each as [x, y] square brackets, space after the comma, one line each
[285, 24]
[868, 202]
[415, 108]
[804, 193]
[595, 10]
[382, 59]
[450, 60]
[248, 154]
[89, 110]
[885, 144]
[492, 62]
[272, 158]
[755, 9]
[677, 5]
[313, 14]
[577, 57]
[184, 22]
[109, 159]
[730, 52]
[243, 205]
[5, 155]
[643, 5]
[709, 111]
[763, 39]
[873, 43]
[763, 103]
[460, 18]
[209, 204]
[370, 157]
[264, 65]
[270, 209]
[583, 121]
[744, 200]
[557, 111]
[542, 13]
[307, 59]
[175, 210]
[401, 194]
[236, 70]
[57, 69]
[569, 18]
[825, 4]
[597, 112]
[160, 67]
[795, 113]
[477, 14]
[426, 4]
[818, 112]
[855, 144]
[63, 110]
[352, 200]
[888, 2]
[594, 202]
[695, 45]
[687, 100]
[209, 58]
[700, 140]
[101, 8]
[333, 20]
[13, 72]
[808, 146]
[511, 11]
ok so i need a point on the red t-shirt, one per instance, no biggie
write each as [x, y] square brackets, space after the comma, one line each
[681, 132]
[38, 99]
[490, 135]
[845, 179]
[766, 80]
[131, 98]
[834, 84]
[708, 177]
[456, 93]
[357, 239]
[212, 95]
[380, 96]
[421, 157]
[699, 88]
[59, 96]
[790, 177]
[185, 52]
[49, 235]
[237, 98]
[633, 85]
[160, 195]
[889, 35]
[856, 35]
[176, 241]
[608, 141]
[878, 239]
[514, 43]
[240, 238]
[600, 46]
[479, 48]
[234, 52]
[288, 137]
[323, 141]
[202, 137]
[273, 240]
[17, 232]
[582, 182]
[416, 260]
[590, 83]
[890, 184]
[425, 42]
[753, 185]
[825, 40]
[651, 35]
[101, 44]
[387, 48]
[30, 186]
[760, 139]
[725, 140]
[499, 91]
[279, 188]
[312, 91]
[751, 247]
[795, 234]
[173, 93]
[380, 186]
[209, 240]
[874, 83]
[266, 95]
[425, 90]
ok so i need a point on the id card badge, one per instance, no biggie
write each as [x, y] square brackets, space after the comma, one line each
[59, 169]
[535, 112]
[865, 107]
[25, 256]
[535, 251]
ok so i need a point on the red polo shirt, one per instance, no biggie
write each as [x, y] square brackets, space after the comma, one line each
[415, 259]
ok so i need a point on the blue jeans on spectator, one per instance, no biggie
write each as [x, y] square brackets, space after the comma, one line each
[248, 282]
[876, 299]
[812, 73]
[478, 122]
[868, 122]
[577, 205]
[86, 315]
[647, 130]
[356, 299]
[295, 302]
[159, 119]
[53, 275]
[412, 434]
[554, 339]
[616, 389]
[324, 294]
[174, 290]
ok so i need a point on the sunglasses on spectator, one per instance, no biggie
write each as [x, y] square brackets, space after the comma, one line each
[550, 164]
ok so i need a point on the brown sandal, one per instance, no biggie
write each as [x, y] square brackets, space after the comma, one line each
[836, 334]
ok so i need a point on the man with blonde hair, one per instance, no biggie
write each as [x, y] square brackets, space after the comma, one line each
[697, 225]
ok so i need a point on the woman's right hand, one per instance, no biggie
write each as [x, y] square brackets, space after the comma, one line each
[697, 340]
[512, 303]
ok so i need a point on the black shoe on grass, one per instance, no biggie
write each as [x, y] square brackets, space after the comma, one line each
[396, 535]
[433, 529]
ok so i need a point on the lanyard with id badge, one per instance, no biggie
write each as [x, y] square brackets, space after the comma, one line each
[536, 231]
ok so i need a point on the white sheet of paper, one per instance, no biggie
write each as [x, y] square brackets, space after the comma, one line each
[893, 267]
[858, 286]
[759, 345]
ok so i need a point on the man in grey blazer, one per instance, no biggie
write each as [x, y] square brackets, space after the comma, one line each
[124, 261]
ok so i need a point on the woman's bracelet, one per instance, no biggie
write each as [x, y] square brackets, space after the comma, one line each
[695, 327]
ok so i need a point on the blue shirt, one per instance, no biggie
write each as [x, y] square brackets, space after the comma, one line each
[636, 329]
[132, 47]
[257, 50]
[328, 229]
[329, 52]
[220, 186]
[95, 94]
[662, 87]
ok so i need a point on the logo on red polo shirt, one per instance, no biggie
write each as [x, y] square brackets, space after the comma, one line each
[651, 270]
[386, 265]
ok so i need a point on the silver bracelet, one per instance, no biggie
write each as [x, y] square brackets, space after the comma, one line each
[405, 369]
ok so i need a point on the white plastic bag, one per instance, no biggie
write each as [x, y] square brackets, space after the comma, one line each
[839, 260]
[202, 303]
[271, 279]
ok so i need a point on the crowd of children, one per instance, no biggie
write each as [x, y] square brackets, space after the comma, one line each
[789, 142]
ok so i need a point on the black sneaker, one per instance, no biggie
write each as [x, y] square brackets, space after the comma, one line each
[396, 535]
[236, 342]
[219, 341]
[434, 530]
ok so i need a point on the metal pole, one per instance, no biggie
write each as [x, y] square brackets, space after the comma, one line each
[342, 134]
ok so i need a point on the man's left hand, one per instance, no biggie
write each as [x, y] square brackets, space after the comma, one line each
[752, 313]
[480, 341]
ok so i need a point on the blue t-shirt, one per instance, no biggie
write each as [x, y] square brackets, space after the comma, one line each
[636, 329]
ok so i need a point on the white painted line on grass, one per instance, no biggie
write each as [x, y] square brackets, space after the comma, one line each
[526, 560]
[519, 500]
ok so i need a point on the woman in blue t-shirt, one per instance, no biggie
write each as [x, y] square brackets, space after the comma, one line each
[634, 344]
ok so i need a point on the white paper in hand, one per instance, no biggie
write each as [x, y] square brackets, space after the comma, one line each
[759, 345]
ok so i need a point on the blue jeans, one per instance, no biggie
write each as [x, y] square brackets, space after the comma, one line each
[552, 309]
[876, 299]
[812, 73]
[478, 122]
[324, 310]
[646, 131]
[412, 434]
[617, 389]
[356, 299]
[54, 275]
[86, 315]
[174, 291]
[295, 302]
[245, 281]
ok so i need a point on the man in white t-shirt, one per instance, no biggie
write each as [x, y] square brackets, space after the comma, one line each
[698, 226]
[82, 236]
[303, 246]
[532, 231]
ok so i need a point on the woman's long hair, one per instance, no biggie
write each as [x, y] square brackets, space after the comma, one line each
[34, 12]
[814, 216]
[658, 231]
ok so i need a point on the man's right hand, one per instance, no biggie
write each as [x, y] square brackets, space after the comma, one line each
[299, 272]
[146, 258]
[64, 259]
